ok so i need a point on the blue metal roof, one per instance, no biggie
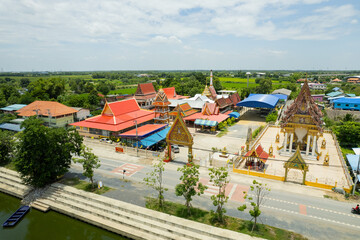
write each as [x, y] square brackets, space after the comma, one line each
[153, 139]
[336, 89]
[11, 127]
[334, 94]
[13, 107]
[353, 161]
[355, 100]
[281, 96]
[234, 114]
[259, 101]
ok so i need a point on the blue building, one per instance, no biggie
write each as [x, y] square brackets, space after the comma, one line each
[347, 103]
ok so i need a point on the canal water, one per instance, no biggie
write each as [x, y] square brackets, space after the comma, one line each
[47, 226]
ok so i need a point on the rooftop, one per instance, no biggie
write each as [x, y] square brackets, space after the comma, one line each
[45, 108]
[259, 101]
[143, 131]
[13, 107]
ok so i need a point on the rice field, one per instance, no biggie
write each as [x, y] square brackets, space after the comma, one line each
[238, 83]
[123, 91]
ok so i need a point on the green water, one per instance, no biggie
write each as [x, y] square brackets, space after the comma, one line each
[47, 226]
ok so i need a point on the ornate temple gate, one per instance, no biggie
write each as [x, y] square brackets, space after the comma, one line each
[179, 134]
[296, 162]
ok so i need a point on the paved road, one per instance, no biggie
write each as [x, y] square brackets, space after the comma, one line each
[290, 206]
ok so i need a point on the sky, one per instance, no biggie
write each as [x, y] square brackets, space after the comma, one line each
[90, 35]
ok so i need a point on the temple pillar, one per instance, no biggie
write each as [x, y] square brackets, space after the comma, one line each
[285, 141]
[308, 144]
[314, 146]
[291, 141]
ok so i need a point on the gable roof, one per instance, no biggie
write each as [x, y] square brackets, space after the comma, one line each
[185, 110]
[145, 88]
[170, 92]
[296, 161]
[212, 92]
[45, 108]
[235, 98]
[334, 94]
[210, 109]
[117, 116]
[222, 103]
[303, 104]
[259, 153]
[282, 91]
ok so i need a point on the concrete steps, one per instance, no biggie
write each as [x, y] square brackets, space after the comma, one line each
[11, 183]
[40, 206]
[141, 222]
[118, 215]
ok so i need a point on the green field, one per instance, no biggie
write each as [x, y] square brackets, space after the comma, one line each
[238, 83]
[123, 91]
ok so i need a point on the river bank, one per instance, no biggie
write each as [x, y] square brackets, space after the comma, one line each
[43, 226]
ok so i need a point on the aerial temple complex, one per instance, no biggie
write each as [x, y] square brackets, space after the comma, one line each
[161, 104]
[299, 148]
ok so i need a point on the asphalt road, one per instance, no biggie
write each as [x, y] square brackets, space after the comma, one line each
[289, 206]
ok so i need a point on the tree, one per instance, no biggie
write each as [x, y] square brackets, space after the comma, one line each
[348, 134]
[219, 177]
[6, 147]
[104, 88]
[189, 185]
[260, 191]
[44, 153]
[271, 117]
[89, 162]
[154, 180]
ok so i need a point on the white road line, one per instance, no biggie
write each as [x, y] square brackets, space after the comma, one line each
[311, 216]
[232, 191]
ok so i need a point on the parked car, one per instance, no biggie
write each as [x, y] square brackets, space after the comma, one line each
[175, 148]
[106, 140]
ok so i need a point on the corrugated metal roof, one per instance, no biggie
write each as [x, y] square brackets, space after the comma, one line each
[13, 107]
[11, 127]
[282, 91]
[143, 130]
[355, 100]
[259, 101]
[334, 94]
[281, 96]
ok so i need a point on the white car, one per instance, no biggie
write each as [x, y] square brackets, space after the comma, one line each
[175, 148]
[106, 140]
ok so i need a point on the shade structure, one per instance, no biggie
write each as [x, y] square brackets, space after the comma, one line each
[11, 127]
[153, 139]
[259, 101]
[204, 122]
[234, 114]
[353, 161]
[280, 96]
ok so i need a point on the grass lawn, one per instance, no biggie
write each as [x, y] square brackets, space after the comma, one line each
[83, 185]
[346, 151]
[231, 223]
[222, 132]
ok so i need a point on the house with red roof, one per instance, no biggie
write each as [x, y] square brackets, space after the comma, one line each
[145, 95]
[53, 114]
[185, 110]
[115, 118]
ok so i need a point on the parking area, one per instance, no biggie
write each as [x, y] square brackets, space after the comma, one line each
[252, 118]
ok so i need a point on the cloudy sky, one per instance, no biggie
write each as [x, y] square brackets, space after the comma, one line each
[61, 35]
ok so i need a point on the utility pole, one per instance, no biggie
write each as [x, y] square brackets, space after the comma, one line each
[248, 74]
[49, 116]
[137, 143]
[356, 176]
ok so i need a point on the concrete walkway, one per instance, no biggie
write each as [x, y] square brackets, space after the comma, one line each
[11, 183]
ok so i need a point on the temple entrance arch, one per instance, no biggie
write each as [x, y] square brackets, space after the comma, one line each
[296, 162]
[180, 135]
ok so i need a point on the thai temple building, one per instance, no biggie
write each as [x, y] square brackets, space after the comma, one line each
[302, 125]
[115, 118]
[145, 95]
[161, 104]
[171, 93]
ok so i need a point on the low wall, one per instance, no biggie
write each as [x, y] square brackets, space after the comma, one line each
[279, 178]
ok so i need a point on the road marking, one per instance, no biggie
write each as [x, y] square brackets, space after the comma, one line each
[311, 216]
[239, 194]
[131, 169]
[302, 209]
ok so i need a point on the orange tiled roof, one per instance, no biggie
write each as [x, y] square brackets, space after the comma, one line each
[44, 108]
[145, 88]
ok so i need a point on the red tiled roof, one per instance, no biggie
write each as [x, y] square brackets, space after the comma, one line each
[171, 93]
[44, 108]
[210, 109]
[221, 102]
[117, 116]
[186, 110]
[213, 92]
[145, 88]
[143, 130]
[235, 98]
[218, 118]
[259, 152]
